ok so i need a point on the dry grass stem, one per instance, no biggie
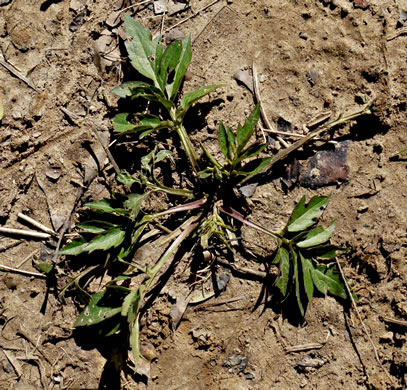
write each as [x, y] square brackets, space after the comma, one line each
[21, 232]
[20, 271]
[35, 223]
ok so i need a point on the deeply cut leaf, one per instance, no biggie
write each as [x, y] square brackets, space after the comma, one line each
[162, 155]
[125, 178]
[304, 215]
[317, 236]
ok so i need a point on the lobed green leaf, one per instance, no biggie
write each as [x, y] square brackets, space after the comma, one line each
[162, 155]
[133, 204]
[304, 215]
[316, 236]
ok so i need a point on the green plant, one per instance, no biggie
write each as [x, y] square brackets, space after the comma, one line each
[303, 254]
[204, 211]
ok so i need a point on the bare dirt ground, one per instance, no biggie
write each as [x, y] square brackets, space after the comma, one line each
[312, 57]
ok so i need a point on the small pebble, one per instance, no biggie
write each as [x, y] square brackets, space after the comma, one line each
[387, 337]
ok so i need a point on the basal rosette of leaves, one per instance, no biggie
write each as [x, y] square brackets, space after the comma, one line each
[201, 211]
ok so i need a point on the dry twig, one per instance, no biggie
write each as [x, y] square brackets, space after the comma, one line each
[277, 132]
[36, 223]
[20, 271]
[394, 321]
[22, 262]
[307, 347]
[133, 6]
[397, 33]
[14, 362]
[296, 145]
[243, 270]
[12, 69]
[192, 16]
[107, 151]
[204, 306]
[30, 233]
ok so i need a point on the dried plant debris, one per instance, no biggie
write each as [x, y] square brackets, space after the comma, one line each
[178, 310]
[169, 7]
[236, 363]
[310, 362]
[243, 76]
[402, 18]
[78, 20]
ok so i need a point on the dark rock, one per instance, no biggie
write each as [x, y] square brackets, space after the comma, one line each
[327, 167]
[236, 363]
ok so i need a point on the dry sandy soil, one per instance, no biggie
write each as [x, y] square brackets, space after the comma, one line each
[312, 56]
